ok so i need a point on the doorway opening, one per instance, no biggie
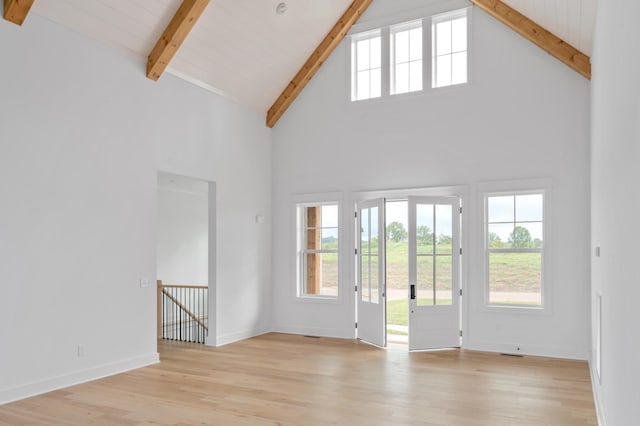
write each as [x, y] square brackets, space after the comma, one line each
[182, 258]
[408, 271]
[397, 271]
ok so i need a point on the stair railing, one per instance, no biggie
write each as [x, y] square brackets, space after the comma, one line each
[182, 312]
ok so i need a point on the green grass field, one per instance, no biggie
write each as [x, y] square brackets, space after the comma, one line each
[398, 312]
[510, 273]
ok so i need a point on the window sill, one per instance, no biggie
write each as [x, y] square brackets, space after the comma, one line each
[517, 310]
[330, 300]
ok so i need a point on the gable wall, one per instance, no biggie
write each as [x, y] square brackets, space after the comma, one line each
[524, 115]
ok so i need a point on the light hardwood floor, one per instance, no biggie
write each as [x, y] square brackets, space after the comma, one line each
[296, 380]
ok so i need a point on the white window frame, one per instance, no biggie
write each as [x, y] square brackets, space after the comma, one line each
[393, 31]
[534, 186]
[314, 200]
[355, 38]
[426, 18]
[435, 20]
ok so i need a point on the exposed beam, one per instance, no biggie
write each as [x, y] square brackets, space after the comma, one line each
[317, 58]
[172, 37]
[555, 46]
[16, 10]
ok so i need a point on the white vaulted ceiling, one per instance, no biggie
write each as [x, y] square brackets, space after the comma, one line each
[571, 20]
[239, 48]
[244, 50]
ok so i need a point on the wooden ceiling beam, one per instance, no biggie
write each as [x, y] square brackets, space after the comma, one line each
[16, 11]
[555, 46]
[178, 29]
[315, 61]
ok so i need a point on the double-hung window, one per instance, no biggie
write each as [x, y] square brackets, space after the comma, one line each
[318, 250]
[514, 243]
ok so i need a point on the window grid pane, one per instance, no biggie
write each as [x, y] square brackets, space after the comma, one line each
[443, 70]
[363, 85]
[424, 280]
[515, 279]
[459, 35]
[362, 49]
[365, 279]
[402, 47]
[415, 44]
[444, 280]
[375, 82]
[402, 78]
[459, 68]
[374, 277]
[375, 51]
[415, 76]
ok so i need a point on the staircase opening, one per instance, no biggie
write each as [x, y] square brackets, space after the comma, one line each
[183, 223]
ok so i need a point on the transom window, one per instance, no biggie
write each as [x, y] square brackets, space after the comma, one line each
[515, 249]
[449, 49]
[366, 63]
[406, 57]
[318, 250]
[395, 60]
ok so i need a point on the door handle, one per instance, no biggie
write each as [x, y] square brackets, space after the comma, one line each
[412, 291]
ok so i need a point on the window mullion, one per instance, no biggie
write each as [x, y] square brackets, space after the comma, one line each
[385, 61]
[427, 74]
[354, 70]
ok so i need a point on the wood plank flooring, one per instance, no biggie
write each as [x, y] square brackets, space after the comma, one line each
[295, 380]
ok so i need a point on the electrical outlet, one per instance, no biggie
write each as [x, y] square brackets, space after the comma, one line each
[80, 350]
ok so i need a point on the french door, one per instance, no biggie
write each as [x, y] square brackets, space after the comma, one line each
[371, 287]
[434, 272]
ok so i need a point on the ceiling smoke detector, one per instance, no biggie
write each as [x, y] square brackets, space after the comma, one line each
[281, 8]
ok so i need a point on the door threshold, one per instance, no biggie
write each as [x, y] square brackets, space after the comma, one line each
[454, 348]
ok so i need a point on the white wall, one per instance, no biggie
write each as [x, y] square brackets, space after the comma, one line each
[524, 115]
[615, 206]
[83, 134]
[183, 238]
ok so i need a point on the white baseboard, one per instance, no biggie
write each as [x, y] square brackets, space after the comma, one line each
[339, 333]
[236, 336]
[596, 397]
[533, 350]
[76, 377]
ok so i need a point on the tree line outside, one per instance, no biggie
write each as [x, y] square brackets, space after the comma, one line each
[520, 237]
